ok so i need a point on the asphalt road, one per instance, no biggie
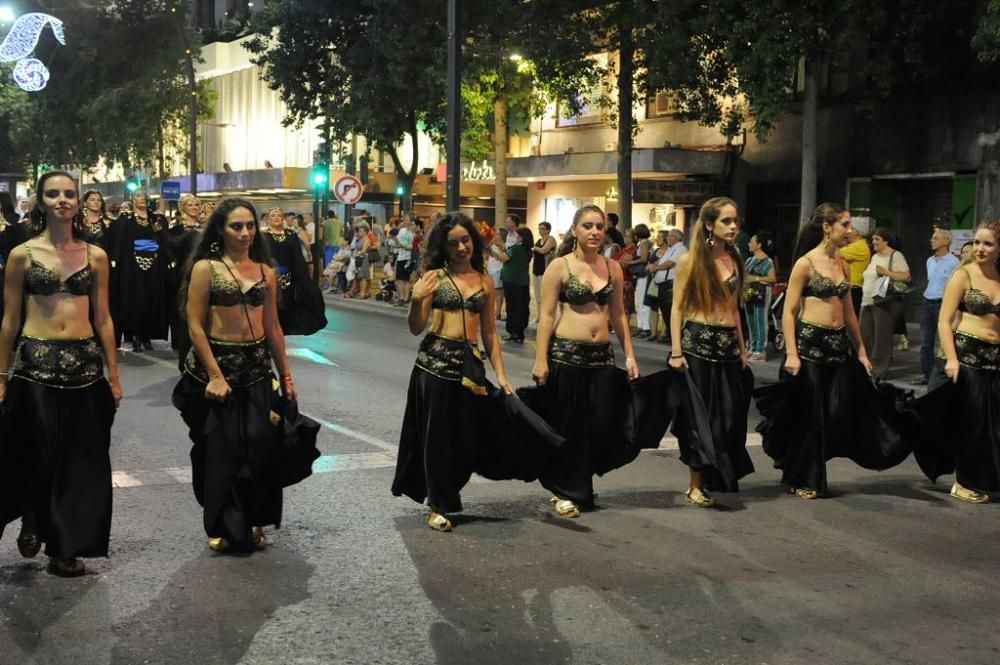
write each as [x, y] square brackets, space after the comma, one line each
[889, 570]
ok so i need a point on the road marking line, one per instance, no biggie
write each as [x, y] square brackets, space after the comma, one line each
[357, 436]
[310, 355]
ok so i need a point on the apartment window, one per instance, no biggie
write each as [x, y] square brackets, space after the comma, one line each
[590, 114]
[661, 105]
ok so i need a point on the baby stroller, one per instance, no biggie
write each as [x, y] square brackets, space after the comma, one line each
[386, 290]
[775, 333]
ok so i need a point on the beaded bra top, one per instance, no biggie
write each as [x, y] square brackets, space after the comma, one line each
[976, 302]
[820, 286]
[576, 292]
[448, 298]
[223, 292]
[42, 281]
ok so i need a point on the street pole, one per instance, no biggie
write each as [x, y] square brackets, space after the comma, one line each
[454, 116]
[192, 101]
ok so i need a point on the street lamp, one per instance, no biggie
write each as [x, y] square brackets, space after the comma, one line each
[6, 15]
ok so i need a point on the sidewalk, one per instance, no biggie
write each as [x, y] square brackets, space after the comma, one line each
[905, 364]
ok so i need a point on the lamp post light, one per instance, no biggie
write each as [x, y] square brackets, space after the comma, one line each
[6, 15]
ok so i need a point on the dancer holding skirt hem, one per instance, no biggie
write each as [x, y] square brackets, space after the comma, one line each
[958, 418]
[708, 347]
[249, 441]
[456, 423]
[826, 404]
[56, 407]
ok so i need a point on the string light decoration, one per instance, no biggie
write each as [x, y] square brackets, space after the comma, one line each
[30, 74]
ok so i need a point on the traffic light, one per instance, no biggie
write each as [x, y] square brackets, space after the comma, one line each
[400, 190]
[132, 186]
[320, 174]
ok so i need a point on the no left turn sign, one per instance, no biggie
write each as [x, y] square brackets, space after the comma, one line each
[348, 189]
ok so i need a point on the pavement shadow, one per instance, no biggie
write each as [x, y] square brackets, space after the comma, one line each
[212, 608]
[156, 394]
[45, 617]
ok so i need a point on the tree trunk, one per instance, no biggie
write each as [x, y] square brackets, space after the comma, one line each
[626, 73]
[988, 181]
[810, 107]
[160, 154]
[500, 157]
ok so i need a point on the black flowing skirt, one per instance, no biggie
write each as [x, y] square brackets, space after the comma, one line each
[449, 432]
[590, 402]
[55, 441]
[832, 408]
[959, 423]
[247, 448]
[713, 399]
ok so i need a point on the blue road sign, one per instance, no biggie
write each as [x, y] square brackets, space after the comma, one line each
[170, 190]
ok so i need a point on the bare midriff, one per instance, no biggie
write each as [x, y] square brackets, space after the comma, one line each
[59, 316]
[583, 323]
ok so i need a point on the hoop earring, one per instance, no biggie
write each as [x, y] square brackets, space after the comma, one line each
[710, 239]
[214, 247]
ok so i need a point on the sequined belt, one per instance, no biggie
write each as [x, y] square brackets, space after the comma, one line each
[59, 363]
[709, 341]
[581, 354]
[284, 276]
[976, 352]
[242, 363]
[443, 356]
[145, 260]
[822, 344]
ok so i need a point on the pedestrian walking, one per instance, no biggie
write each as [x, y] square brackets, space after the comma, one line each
[858, 255]
[301, 308]
[514, 274]
[580, 392]
[668, 266]
[142, 265]
[249, 441]
[56, 406]
[455, 422]
[825, 404]
[887, 278]
[404, 259]
[543, 251]
[711, 421]
[957, 417]
[940, 265]
[760, 275]
[654, 281]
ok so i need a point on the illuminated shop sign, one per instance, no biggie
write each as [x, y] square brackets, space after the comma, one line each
[672, 191]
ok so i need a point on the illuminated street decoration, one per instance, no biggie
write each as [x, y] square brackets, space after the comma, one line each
[29, 73]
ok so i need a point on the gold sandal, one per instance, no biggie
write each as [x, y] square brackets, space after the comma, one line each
[564, 507]
[969, 496]
[438, 522]
[218, 544]
[259, 539]
[804, 493]
[696, 497]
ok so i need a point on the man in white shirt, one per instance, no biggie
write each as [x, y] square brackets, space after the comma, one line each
[940, 265]
[664, 273]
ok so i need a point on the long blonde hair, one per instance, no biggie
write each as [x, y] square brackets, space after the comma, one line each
[704, 290]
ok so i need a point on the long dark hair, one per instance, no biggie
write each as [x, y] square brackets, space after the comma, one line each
[811, 234]
[437, 242]
[211, 243]
[703, 288]
[568, 243]
[36, 215]
[91, 192]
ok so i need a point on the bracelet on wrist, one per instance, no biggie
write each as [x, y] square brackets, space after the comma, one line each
[678, 356]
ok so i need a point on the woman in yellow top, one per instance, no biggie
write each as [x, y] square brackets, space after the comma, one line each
[57, 407]
[711, 422]
[455, 423]
[959, 426]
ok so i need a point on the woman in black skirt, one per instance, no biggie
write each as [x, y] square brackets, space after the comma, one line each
[301, 308]
[228, 395]
[141, 274]
[455, 423]
[581, 393]
[711, 421]
[826, 405]
[56, 407]
[182, 237]
[959, 426]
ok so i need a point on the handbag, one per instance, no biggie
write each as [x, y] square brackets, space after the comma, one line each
[753, 294]
[473, 368]
[638, 270]
[897, 287]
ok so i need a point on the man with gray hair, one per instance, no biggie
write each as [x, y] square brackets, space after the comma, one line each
[940, 266]
[668, 264]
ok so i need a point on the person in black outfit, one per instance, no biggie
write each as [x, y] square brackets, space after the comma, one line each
[181, 240]
[142, 264]
[301, 308]
[515, 284]
[613, 232]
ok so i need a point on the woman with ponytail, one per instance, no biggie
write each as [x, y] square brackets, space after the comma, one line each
[825, 404]
[711, 421]
[960, 432]
[56, 406]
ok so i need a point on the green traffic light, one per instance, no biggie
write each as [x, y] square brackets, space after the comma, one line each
[319, 178]
[400, 190]
[132, 186]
